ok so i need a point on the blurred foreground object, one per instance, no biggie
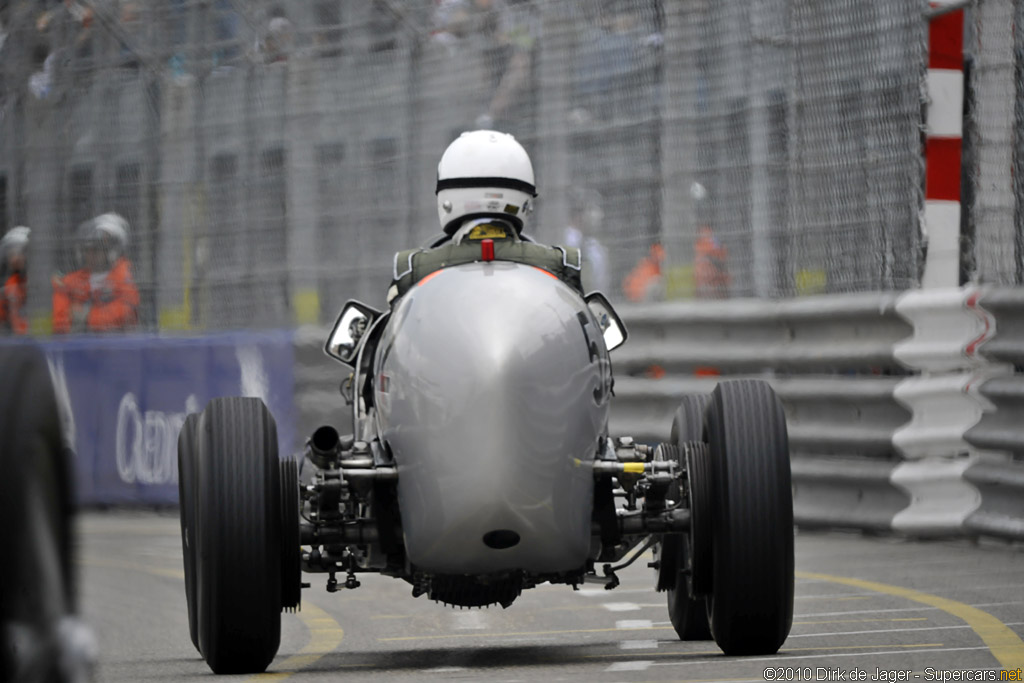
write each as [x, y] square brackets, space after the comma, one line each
[14, 252]
[41, 638]
[101, 295]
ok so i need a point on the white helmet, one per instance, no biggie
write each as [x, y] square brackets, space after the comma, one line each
[16, 238]
[110, 230]
[484, 173]
[115, 226]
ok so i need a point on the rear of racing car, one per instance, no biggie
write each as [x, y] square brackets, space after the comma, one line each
[492, 387]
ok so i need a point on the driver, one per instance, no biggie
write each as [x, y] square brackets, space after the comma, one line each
[485, 191]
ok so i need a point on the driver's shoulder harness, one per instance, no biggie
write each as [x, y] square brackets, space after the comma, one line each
[412, 265]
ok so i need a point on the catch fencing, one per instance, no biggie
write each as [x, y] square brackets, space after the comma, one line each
[272, 156]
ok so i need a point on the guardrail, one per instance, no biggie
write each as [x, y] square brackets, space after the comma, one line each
[843, 333]
[903, 410]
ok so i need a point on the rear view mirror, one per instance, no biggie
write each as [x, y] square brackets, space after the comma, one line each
[354, 320]
[612, 329]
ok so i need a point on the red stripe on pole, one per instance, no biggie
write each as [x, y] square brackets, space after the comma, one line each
[942, 180]
[946, 41]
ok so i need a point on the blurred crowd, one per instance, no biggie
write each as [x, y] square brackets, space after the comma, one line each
[100, 295]
[186, 37]
[65, 41]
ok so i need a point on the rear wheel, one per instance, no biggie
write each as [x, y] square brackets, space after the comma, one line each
[751, 605]
[186, 502]
[680, 556]
[238, 565]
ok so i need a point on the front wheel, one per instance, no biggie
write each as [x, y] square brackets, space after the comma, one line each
[751, 606]
[238, 522]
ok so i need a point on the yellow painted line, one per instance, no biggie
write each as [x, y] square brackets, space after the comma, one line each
[325, 633]
[832, 597]
[1005, 645]
[90, 529]
[325, 637]
[132, 566]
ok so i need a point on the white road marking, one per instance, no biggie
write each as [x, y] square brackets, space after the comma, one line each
[595, 592]
[633, 623]
[445, 670]
[881, 630]
[823, 655]
[473, 620]
[865, 611]
[621, 606]
[630, 666]
[638, 645]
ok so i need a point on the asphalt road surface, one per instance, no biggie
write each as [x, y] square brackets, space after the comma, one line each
[866, 609]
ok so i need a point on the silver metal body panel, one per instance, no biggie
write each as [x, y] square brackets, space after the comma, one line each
[492, 388]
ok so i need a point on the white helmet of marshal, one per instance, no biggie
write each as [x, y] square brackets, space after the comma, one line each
[107, 232]
[114, 227]
[484, 174]
[16, 239]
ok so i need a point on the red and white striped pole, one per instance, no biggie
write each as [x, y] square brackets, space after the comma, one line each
[944, 127]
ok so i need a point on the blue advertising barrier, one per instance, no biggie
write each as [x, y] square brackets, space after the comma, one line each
[128, 397]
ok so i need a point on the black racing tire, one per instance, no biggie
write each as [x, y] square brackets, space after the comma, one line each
[187, 440]
[291, 547]
[751, 606]
[688, 613]
[700, 578]
[37, 581]
[238, 562]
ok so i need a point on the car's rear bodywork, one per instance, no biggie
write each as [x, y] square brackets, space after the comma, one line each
[491, 385]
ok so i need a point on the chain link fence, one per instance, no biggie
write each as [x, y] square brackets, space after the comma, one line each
[271, 157]
[993, 250]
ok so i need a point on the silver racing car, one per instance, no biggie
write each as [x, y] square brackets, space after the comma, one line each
[478, 464]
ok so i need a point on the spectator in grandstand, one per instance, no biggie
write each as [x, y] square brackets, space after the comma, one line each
[276, 43]
[506, 31]
[65, 19]
[101, 295]
[585, 219]
[616, 58]
[40, 81]
[131, 34]
[226, 24]
[327, 38]
[14, 252]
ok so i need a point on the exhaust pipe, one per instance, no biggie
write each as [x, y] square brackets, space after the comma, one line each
[325, 447]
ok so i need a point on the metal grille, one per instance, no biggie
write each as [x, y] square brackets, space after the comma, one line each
[272, 156]
[993, 249]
